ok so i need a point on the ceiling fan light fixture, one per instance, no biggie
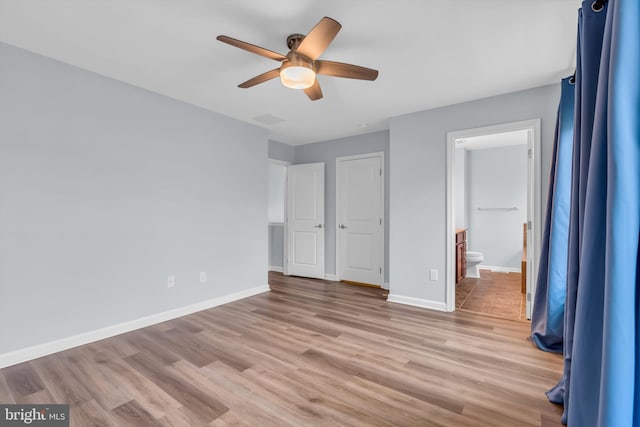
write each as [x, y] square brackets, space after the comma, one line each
[297, 77]
[297, 73]
[299, 68]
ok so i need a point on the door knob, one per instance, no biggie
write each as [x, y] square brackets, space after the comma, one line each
[318, 226]
[343, 226]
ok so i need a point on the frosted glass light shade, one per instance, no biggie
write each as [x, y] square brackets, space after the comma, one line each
[297, 77]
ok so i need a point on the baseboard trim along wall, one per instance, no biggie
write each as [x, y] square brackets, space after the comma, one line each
[417, 302]
[499, 269]
[33, 352]
[275, 268]
[332, 277]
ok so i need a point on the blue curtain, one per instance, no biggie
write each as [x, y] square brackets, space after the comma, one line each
[547, 318]
[601, 379]
[589, 47]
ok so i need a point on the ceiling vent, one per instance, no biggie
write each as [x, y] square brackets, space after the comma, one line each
[268, 119]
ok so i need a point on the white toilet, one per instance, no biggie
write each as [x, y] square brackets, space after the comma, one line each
[473, 262]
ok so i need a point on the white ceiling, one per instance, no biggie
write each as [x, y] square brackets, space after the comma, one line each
[429, 53]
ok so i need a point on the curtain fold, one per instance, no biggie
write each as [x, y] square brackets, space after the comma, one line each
[607, 298]
[589, 48]
[601, 379]
[547, 318]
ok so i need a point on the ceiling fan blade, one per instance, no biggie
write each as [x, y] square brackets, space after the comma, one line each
[319, 38]
[252, 48]
[314, 92]
[272, 74]
[340, 69]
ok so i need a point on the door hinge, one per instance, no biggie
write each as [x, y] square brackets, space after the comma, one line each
[530, 153]
[529, 297]
[529, 225]
[380, 221]
[380, 270]
[380, 171]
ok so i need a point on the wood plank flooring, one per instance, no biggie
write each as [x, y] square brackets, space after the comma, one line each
[309, 353]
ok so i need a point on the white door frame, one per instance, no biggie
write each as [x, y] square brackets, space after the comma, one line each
[284, 226]
[379, 154]
[534, 184]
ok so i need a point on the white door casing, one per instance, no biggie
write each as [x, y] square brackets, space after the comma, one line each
[359, 219]
[533, 156]
[534, 206]
[305, 220]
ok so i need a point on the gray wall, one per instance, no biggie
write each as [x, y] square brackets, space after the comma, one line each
[418, 180]
[105, 190]
[276, 192]
[276, 245]
[497, 179]
[281, 151]
[327, 152]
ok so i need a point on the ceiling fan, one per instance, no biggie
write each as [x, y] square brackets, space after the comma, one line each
[299, 67]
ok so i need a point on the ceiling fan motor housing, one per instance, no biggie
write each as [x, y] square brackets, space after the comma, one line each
[294, 40]
[297, 60]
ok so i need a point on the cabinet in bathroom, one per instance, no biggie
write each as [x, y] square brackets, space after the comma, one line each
[461, 254]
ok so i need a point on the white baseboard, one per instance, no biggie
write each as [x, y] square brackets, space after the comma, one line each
[499, 269]
[275, 268]
[417, 302]
[39, 350]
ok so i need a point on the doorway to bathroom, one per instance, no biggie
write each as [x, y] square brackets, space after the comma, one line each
[493, 212]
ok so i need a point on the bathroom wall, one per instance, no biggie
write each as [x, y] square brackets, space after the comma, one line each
[497, 179]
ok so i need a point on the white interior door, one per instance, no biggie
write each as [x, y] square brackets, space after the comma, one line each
[360, 234]
[305, 220]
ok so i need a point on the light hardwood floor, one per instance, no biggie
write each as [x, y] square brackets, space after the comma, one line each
[307, 353]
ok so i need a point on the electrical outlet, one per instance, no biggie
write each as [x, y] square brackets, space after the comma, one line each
[203, 277]
[171, 281]
[433, 275]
